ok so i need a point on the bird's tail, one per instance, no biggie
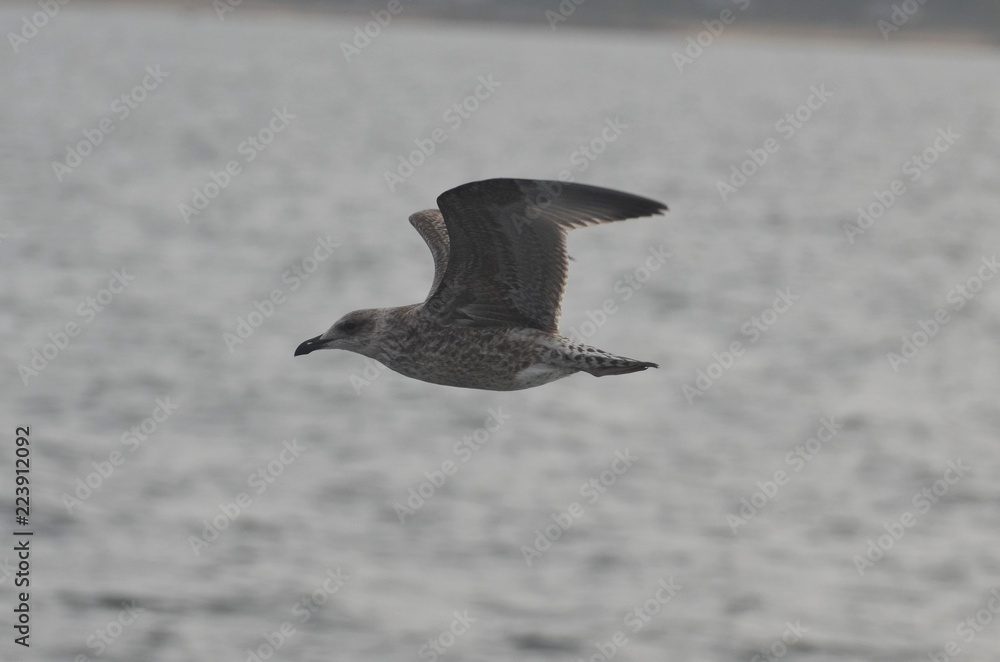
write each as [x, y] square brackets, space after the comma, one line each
[616, 365]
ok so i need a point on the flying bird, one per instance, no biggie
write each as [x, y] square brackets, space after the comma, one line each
[491, 318]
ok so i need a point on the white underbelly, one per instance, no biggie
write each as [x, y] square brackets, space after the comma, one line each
[541, 373]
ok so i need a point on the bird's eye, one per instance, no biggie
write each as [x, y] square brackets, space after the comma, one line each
[350, 327]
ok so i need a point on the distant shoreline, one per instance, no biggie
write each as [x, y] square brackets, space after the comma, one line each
[752, 28]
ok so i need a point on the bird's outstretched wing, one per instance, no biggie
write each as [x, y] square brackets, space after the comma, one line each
[430, 225]
[502, 260]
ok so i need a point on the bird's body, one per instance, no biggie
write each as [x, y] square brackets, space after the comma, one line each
[490, 320]
[414, 342]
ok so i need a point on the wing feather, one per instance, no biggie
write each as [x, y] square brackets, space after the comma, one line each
[431, 227]
[505, 247]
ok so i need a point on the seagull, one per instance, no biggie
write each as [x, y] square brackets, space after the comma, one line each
[491, 319]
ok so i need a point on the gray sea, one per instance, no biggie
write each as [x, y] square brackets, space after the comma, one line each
[812, 475]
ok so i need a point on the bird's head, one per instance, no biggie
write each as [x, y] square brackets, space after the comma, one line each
[355, 332]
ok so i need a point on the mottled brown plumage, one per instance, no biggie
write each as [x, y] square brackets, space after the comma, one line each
[491, 318]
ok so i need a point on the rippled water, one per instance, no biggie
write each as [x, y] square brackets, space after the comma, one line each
[254, 500]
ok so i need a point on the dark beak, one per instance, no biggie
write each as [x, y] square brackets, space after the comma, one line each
[310, 345]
